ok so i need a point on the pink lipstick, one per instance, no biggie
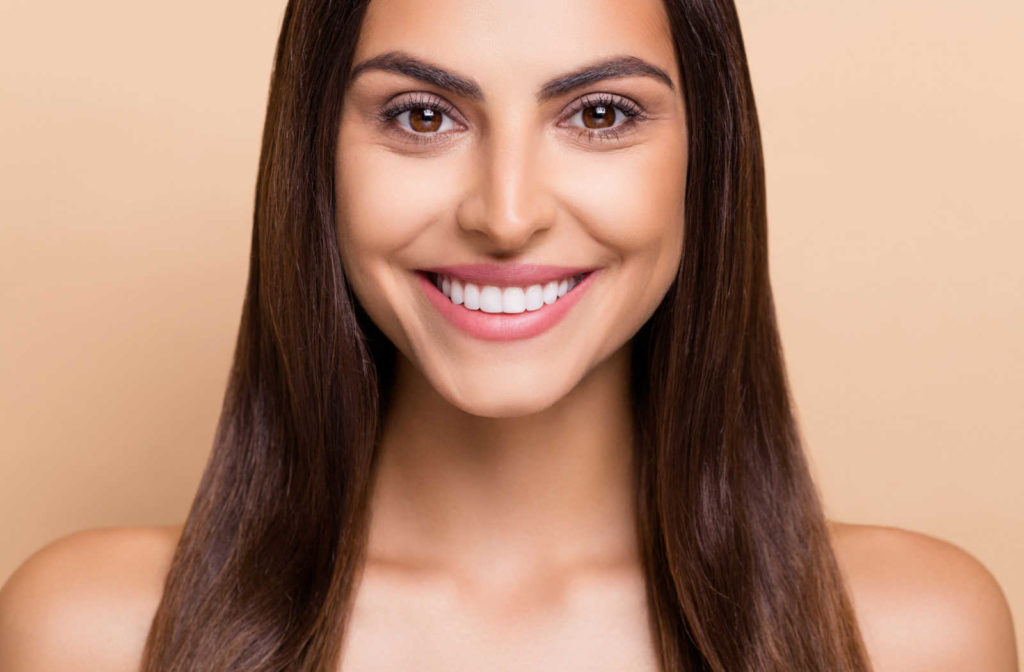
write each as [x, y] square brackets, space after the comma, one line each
[505, 302]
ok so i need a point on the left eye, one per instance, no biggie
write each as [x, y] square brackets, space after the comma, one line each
[605, 116]
[600, 116]
[424, 119]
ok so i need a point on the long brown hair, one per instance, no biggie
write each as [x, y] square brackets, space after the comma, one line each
[739, 569]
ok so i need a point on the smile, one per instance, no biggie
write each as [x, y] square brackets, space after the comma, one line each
[509, 300]
[505, 302]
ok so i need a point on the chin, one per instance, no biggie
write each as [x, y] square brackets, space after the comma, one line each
[504, 407]
[480, 395]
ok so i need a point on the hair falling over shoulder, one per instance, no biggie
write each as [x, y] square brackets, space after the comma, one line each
[739, 569]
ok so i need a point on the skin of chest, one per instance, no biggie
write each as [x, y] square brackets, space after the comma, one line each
[593, 624]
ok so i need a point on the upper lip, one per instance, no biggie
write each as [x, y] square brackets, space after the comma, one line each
[507, 274]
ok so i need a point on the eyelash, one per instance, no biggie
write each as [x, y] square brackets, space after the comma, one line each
[633, 113]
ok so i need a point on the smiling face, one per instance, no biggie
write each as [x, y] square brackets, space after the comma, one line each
[510, 187]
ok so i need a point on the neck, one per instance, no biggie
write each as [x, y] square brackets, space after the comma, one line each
[504, 497]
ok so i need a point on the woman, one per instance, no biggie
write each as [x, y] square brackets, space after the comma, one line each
[508, 391]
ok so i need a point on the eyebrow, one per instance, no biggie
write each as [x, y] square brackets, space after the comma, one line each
[406, 64]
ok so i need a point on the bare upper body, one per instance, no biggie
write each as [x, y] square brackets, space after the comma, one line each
[532, 439]
[85, 603]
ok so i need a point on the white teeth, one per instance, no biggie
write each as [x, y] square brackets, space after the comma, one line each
[471, 296]
[534, 297]
[490, 299]
[511, 300]
[551, 292]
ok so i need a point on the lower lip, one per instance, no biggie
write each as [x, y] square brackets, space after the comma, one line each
[505, 326]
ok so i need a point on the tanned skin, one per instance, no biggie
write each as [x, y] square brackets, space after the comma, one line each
[502, 533]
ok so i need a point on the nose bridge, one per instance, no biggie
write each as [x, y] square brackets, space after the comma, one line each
[509, 203]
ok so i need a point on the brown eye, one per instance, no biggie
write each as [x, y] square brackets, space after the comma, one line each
[598, 116]
[604, 116]
[420, 120]
[425, 120]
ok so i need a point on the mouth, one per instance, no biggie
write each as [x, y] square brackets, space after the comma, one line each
[507, 302]
[502, 298]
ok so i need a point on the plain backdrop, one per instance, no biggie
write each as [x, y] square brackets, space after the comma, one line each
[129, 136]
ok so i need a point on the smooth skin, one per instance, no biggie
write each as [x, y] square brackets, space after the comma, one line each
[502, 534]
[85, 601]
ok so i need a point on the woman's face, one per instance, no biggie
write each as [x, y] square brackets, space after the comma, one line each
[493, 154]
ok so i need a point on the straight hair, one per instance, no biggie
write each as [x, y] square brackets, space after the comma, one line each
[739, 569]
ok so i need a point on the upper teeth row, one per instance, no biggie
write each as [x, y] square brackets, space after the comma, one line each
[492, 299]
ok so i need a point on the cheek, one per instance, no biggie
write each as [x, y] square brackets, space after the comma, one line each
[384, 201]
[633, 201]
[634, 206]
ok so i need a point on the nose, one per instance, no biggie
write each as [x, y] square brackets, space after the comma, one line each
[509, 205]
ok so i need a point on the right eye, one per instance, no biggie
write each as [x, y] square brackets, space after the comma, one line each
[420, 117]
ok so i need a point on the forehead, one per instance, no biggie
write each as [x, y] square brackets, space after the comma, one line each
[501, 42]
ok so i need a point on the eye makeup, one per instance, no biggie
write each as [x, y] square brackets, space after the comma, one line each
[387, 116]
[629, 112]
[632, 114]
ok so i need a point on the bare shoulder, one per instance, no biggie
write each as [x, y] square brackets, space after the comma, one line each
[85, 601]
[924, 603]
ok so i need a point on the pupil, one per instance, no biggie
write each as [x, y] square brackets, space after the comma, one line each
[425, 119]
[601, 116]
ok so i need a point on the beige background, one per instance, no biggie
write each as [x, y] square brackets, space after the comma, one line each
[129, 135]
